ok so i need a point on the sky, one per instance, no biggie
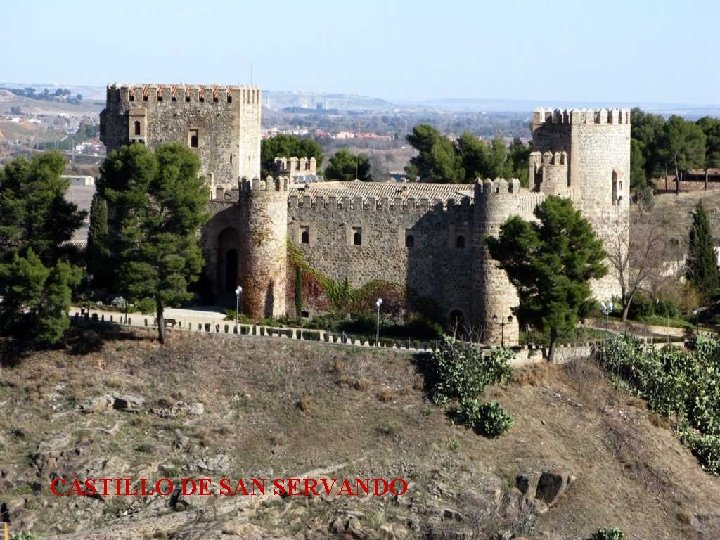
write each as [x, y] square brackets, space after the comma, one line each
[600, 51]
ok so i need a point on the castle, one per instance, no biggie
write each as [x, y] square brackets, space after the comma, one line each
[425, 237]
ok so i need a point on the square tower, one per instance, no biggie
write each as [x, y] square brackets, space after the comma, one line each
[220, 124]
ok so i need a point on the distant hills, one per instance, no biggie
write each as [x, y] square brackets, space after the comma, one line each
[282, 99]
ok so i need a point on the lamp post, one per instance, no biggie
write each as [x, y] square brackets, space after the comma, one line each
[238, 292]
[377, 332]
[696, 312]
[502, 324]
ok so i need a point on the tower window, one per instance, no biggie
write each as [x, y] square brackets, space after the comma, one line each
[137, 129]
[202, 99]
[229, 98]
[357, 236]
[145, 97]
[159, 96]
[460, 242]
[132, 97]
[409, 241]
[304, 235]
[187, 98]
[193, 138]
[174, 98]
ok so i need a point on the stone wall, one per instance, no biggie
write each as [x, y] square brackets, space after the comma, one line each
[220, 124]
[410, 242]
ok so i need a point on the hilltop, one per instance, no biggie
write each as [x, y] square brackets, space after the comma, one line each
[222, 407]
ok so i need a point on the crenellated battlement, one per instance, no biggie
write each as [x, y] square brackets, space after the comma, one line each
[499, 186]
[581, 116]
[181, 93]
[405, 205]
[268, 184]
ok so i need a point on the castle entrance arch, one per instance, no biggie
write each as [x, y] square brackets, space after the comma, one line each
[227, 257]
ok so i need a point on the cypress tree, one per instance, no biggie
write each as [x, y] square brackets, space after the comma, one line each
[702, 269]
[96, 253]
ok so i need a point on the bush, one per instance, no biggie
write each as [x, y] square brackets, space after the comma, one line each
[25, 536]
[608, 533]
[459, 370]
[675, 382]
[486, 419]
[146, 306]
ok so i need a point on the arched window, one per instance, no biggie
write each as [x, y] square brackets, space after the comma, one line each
[357, 236]
[409, 241]
[193, 138]
[137, 127]
[460, 242]
[305, 236]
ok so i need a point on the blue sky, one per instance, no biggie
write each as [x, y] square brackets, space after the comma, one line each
[555, 50]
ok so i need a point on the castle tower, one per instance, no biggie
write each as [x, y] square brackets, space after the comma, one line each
[221, 124]
[493, 294]
[597, 148]
[263, 206]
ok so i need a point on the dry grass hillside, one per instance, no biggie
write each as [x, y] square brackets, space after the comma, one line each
[221, 407]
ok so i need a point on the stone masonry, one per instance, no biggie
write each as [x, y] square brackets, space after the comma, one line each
[427, 238]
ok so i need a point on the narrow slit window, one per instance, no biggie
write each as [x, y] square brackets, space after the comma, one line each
[409, 241]
[357, 236]
[193, 138]
[460, 242]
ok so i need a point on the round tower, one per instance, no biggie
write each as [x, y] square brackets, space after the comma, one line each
[263, 246]
[597, 143]
[494, 296]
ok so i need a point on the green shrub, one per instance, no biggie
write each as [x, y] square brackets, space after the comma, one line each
[608, 533]
[486, 419]
[146, 306]
[460, 370]
[24, 536]
[675, 382]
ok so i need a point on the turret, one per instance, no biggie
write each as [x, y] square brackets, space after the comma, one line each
[263, 208]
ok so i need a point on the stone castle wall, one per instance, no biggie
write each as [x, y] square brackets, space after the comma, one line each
[412, 242]
[220, 124]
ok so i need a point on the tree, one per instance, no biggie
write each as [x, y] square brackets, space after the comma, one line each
[33, 210]
[647, 130]
[636, 257]
[345, 165]
[36, 299]
[287, 146]
[682, 146]
[437, 160]
[638, 178]
[550, 262]
[711, 129]
[157, 205]
[97, 255]
[702, 270]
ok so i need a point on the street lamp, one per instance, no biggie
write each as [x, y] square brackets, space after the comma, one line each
[696, 312]
[607, 309]
[377, 332]
[238, 291]
[502, 327]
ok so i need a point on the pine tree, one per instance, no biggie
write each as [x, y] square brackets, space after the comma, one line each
[158, 206]
[702, 269]
[550, 262]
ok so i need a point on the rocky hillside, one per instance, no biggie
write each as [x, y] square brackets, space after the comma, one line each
[582, 455]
